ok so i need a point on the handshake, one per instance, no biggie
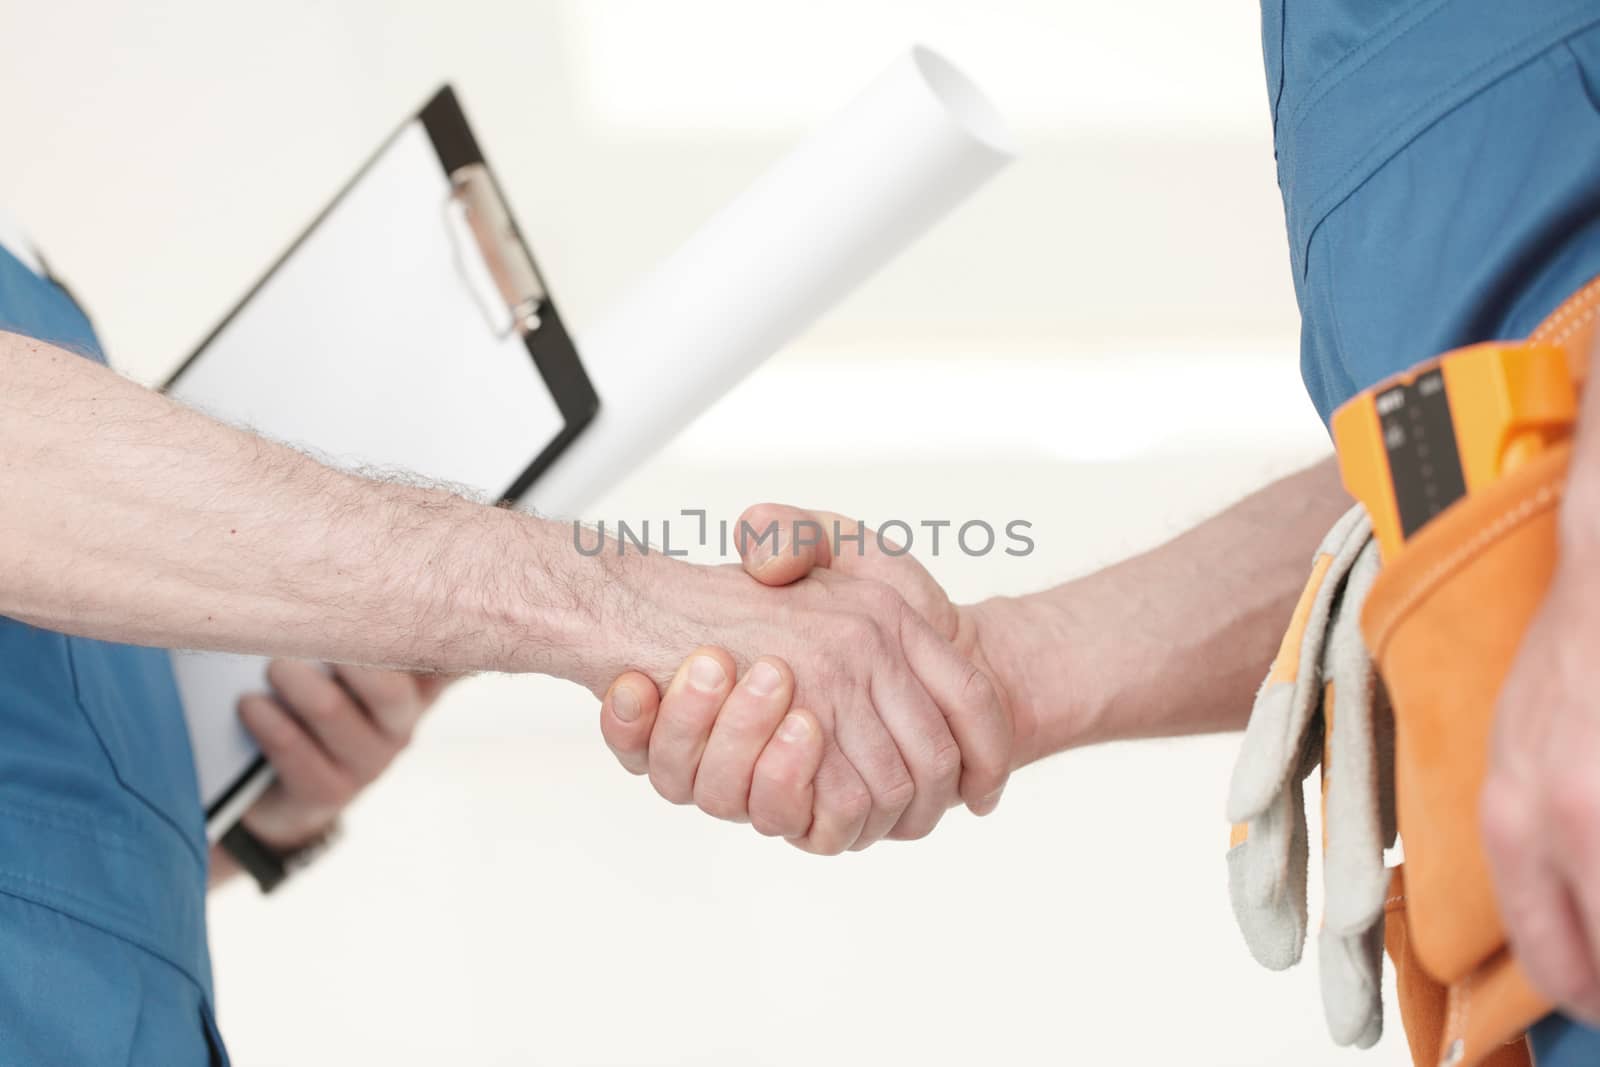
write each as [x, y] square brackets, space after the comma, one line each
[844, 700]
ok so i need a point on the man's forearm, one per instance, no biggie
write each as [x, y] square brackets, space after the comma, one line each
[126, 516]
[1174, 641]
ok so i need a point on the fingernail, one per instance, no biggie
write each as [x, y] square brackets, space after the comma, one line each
[763, 679]
[795, 728]
[624, 704]
[706, 674]
[774, 554]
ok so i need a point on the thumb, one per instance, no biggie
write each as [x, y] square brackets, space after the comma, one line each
[780, 544]
[627, 718]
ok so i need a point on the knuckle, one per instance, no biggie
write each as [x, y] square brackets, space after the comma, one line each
[336, 791]
[719, 802]
[778, 806]
[882, 600]
[266, 718]
[322, 704]
[859, 633]
[281, 671]
[944, 763]
[398, 734]
[992, 769]
[392, 712]
[898, 794]
[827, 844]
[977, 688]
[394, 689]
[670, 789]
[777, 781]
[853, 805]
[627, 748]
[1574, 802]
[914, 829]
[633, 760]
[771, 819]
[1499, 815]
[833, 679]
[763, 824]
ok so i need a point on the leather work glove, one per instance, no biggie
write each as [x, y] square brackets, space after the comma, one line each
[1321, 704]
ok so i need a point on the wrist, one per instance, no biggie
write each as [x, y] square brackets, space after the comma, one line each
[544, 599]
[592, 608]
[1027, 647]
[269, 862]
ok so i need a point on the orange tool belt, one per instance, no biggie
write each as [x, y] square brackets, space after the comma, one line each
[1461, 464]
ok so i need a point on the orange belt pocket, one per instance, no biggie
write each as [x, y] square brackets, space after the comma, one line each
[1443, 622]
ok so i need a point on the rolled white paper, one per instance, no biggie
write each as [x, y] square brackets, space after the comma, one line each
[847, 200]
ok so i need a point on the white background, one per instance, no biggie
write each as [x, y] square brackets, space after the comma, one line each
[509, 896]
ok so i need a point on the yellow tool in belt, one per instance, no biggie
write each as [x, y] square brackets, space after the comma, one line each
[1416, 443]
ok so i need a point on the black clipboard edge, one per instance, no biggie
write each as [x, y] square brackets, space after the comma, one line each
[244, 781]
[551, 346]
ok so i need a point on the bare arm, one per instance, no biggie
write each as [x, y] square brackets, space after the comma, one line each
[1174, 641]
[129, 517]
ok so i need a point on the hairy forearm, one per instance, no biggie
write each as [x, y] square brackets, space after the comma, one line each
[126, 516]
[1174, 641]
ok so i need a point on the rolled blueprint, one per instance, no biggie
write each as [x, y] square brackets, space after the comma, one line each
[847, 200]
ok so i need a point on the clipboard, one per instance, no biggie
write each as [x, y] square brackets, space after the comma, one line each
[407, 331]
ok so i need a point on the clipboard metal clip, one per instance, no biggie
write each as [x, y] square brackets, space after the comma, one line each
[490, 254]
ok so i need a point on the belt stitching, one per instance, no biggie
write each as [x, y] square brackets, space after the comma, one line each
[1545, 496]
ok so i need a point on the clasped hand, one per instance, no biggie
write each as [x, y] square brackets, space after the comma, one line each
[856, 706]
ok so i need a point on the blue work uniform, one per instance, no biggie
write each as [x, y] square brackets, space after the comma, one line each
[1440, 168]
[103, 954]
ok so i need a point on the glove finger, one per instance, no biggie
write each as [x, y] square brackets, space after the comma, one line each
[1351, 974]
[1354, 876]
[1267, 882]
